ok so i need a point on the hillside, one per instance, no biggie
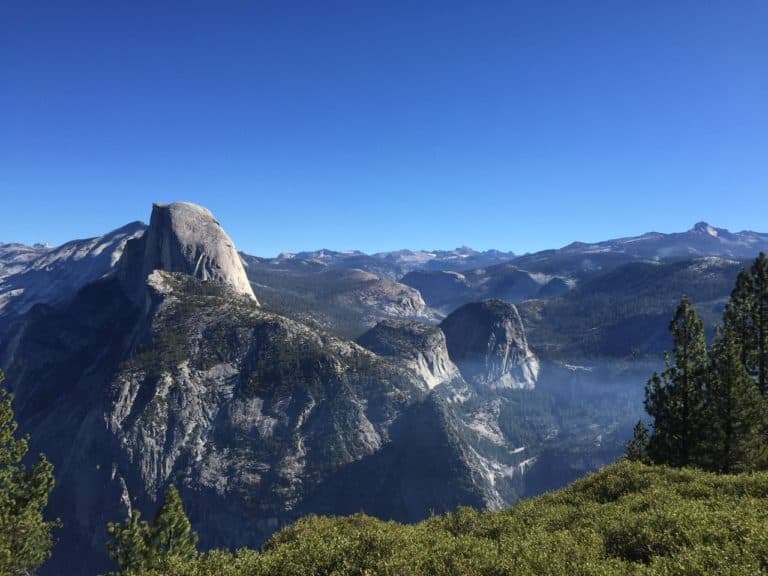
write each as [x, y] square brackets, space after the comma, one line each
[626, 519]
[623, 313]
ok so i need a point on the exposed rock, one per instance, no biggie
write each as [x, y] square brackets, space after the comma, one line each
[41, 274]
[184, 237]
[486, 340]
[420, 346]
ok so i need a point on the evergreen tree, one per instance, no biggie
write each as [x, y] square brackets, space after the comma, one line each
[760, 315]
[674, 398]
[637, 448]
[129, 544]
[25, 536]
[734, 410]
[137, 545]
[738, 317]
[171, 533]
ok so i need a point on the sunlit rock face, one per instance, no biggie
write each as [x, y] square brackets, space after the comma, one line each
[37, 274]
[419, 346]
[185, 237]
[486, 340]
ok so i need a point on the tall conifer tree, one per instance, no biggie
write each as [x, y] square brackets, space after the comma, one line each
[637, 448]
[735, 412]
[171, 531]
[760, 315]
[25, 535]
[675, 398]
[136, 545]
[129, 543]
[739, 317]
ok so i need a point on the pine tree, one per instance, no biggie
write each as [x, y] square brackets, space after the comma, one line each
[129, 544]
[738, 317]
[637, 448]
[136, 545]
[674, 398]
[25, 536]
[171, 533]
[735, 412]
[760, 314]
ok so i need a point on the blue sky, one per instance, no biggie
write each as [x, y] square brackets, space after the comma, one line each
[381, 125]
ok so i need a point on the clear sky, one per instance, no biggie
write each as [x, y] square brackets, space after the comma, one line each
[377, 125]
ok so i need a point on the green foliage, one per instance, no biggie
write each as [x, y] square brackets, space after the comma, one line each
[25, 536]
[747, 316]
[675, 398]
[628, 519]
[707, 405]
[129, 543]
[137, 546]
[171, 533]
[760, 320]
[735, 412]
[739, 312]
[637, 448]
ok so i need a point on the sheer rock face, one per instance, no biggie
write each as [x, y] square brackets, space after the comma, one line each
[487, 342]
[420, 346]
[184, 237]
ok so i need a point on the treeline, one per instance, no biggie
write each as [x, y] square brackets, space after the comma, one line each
[709, 407]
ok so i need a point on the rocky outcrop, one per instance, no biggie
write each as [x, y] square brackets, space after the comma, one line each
[419, 346]
[184, 237]
[486, 340]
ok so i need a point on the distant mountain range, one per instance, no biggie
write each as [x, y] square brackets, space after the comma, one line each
[312, 281]
[701, 240]
[41, 273]
[398, 383]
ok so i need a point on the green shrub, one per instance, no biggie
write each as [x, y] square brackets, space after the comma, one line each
[628, 519]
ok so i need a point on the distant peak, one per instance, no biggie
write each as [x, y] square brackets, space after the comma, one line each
[705, 228]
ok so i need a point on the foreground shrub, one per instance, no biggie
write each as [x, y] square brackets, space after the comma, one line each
[628, 519]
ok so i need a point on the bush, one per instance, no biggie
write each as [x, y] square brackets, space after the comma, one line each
[628, 519]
